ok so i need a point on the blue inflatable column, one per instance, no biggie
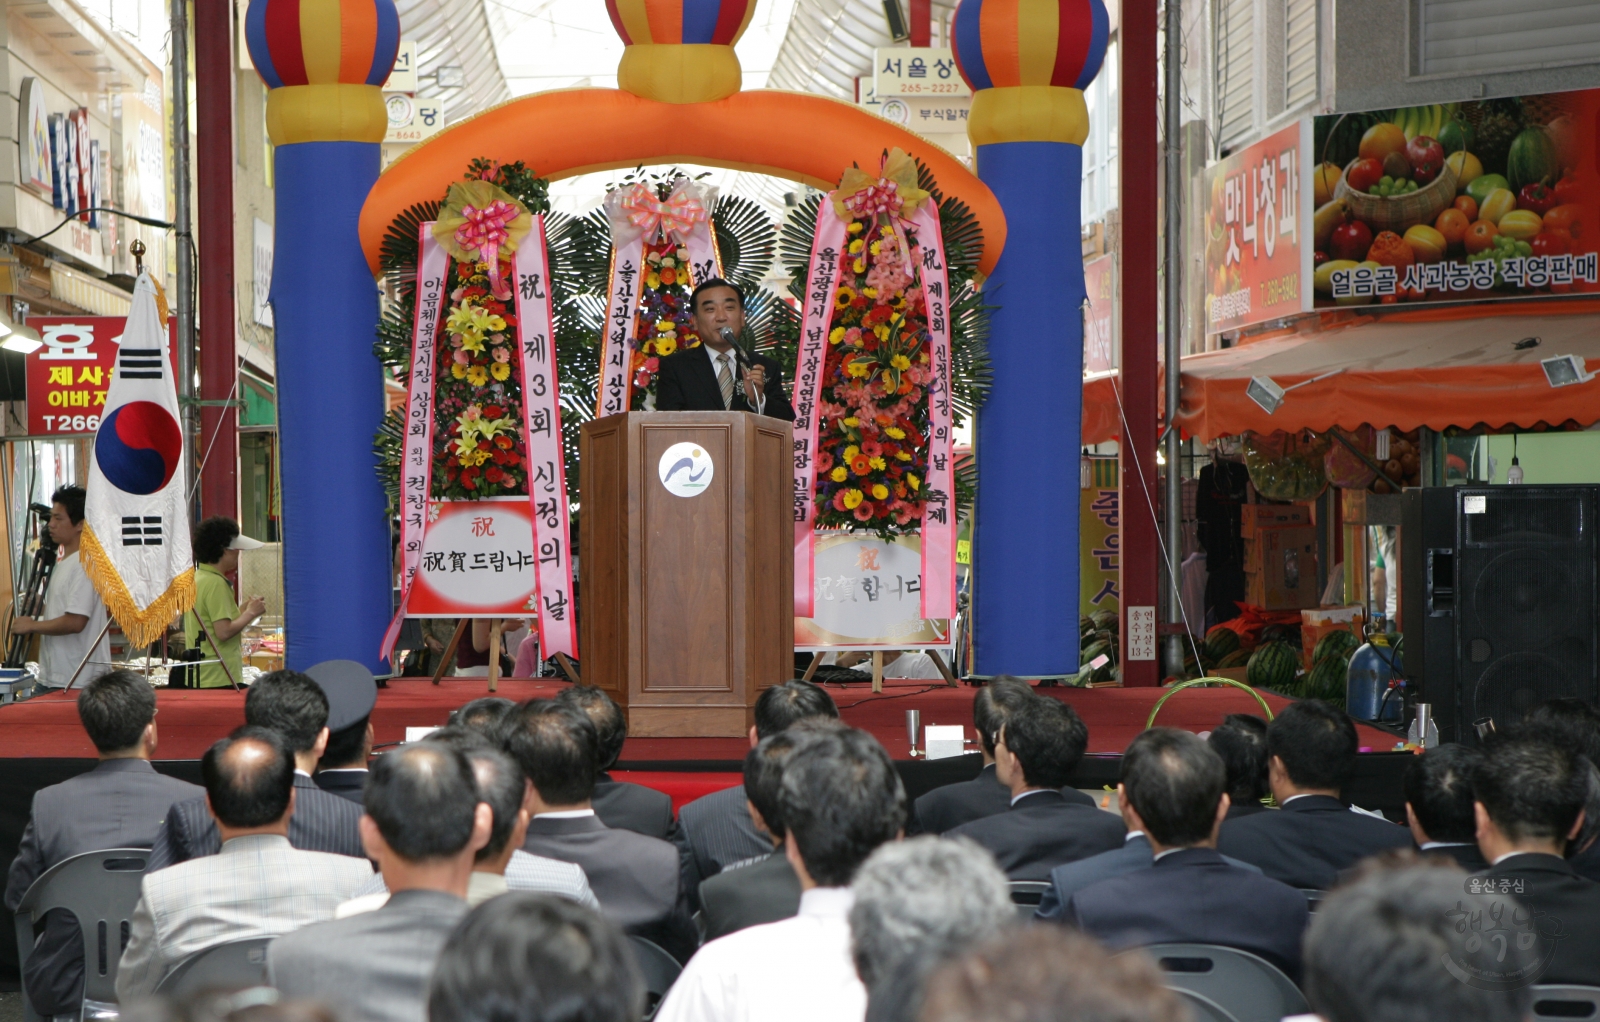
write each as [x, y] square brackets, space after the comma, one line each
[323, 62]
[1027, 65]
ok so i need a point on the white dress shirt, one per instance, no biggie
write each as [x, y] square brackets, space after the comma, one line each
[794, 970]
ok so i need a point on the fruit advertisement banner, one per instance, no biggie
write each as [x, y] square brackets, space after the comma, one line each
[1470, 201]
[1256, 261]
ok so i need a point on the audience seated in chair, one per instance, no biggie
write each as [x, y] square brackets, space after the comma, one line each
[1172, 789]
[1241, 741]
[352, 693]
[621, 805]
[534, 958]
[635, 878]
[1313, 835]
[1438, 787]
[766, 889]
[486, 715]
[1045, 974]
[255, 885]
[118, 804]
[715, 832]
[1040, 743]
[919, 904]
[950, 805]
[500, 865]
[1530, 797]
[1380, 946]
[841, 799]
[424, 825]
[293, 705]
[1575, 726]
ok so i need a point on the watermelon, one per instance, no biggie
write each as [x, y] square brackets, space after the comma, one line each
[1104, 620]
[1532, 157]
[1342, 642]
[1327, 678]
[1238, 658]
[1221, 641]
[1094, 649]
[1272, 665]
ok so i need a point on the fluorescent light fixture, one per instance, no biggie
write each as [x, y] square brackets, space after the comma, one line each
[1565, 370]
[21, 341]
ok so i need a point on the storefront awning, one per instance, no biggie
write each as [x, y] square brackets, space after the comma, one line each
[1430, 367]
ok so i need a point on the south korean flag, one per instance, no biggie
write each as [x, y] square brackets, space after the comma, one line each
[135, 545]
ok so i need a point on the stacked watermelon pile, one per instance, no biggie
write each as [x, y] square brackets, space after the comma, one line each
[1097, 638]
[1330, 666]
[1273, 662]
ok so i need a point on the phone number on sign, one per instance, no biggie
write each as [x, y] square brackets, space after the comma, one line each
[918, 88]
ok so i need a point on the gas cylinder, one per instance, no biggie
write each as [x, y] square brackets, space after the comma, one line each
[1375, 672]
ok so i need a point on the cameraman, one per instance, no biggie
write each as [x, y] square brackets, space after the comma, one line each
[73, 616]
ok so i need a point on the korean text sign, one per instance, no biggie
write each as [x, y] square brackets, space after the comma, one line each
[68, 376]
[477, 560]
[1256, 222]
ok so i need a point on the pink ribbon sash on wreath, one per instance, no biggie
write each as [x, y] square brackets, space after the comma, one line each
[637, 217]
[546, 467]
[822, 282]
[416, 469]
[939, 511]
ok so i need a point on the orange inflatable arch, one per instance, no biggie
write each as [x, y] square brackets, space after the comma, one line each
[561, 134]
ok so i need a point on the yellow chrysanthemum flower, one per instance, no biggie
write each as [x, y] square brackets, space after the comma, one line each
[913, 482]
[879, 491]
[852, 421]
[666, 346]
[855, 246]
[839, 474]
[852, 499]
[876, 246]
[851, 451]
[477, 375]
[882, 332]
[458, 370]
[878, 463]
[836, 335]
[900, 362]
[860, 266]
[855, 227]
[902, 455]
[857, 369]
[870, 292]
[500, 371]
[652, 280]
[895, 433]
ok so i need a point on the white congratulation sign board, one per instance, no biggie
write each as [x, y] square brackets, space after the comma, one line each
[867, 594]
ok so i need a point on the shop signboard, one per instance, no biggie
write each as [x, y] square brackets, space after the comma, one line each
[68, 376]
[1452, 202]
[922, 71]
[1100, 318]
[477, 560]
[33, 136]
[1099, 532]
[1256, 223]
[868, 596]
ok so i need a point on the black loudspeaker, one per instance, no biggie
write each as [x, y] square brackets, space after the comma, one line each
[1499, 599]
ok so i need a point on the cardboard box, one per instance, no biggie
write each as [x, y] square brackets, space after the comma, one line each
[1281, 569]
[1255, 517]
[1314, 624]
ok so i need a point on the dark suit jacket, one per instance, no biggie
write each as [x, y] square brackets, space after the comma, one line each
[118, 804]
[1466, 856]
[1135, 854]
[350, 783]
[949, 806]
[687, 382]
[625, 806]
[1192, 896]
[372, 966]
[1308, 842]
[1587, 862]
[635, 878]
[1042, 831]
[1561, 902]
[1239, 810]
[714, 832]
[762, 892]
[322, 822]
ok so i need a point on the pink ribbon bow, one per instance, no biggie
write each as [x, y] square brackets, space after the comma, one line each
[882, 197]
[675, 217]
[484, 233]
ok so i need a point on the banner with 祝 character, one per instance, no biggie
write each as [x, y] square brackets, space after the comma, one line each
[661, 245]
[868, 595]
[483, 381]
[873, 408]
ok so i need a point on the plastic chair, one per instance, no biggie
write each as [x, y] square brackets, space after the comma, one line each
[1564, 1002]
[1204, 1009]
[229, 966]
[1026, 895]
[100, 889]
[1246, 987]
[660, 971]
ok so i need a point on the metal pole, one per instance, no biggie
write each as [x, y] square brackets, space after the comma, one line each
[184, 233]
[1172, 322]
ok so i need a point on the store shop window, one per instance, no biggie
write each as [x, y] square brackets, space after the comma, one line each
[1476, 36]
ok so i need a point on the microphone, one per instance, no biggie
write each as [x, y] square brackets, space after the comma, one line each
[738, 352]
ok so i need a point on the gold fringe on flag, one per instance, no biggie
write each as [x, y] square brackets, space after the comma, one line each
[142, 627]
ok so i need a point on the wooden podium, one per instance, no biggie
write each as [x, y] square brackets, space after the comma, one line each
[686, 567]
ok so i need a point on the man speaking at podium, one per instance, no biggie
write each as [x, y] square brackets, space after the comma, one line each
[720, 375]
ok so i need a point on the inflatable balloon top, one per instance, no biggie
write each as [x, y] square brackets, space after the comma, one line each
[1028, 62]
[680, 51]
[324, 62]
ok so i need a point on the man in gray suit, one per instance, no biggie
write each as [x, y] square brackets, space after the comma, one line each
[424, 826]
[297, 708]
[635, 877]
[118, 804]
[619, 804]
[256, 886]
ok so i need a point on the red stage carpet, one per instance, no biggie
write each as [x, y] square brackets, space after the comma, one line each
[189, 721]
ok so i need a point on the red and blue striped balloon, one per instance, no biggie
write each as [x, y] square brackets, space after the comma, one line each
[1006, 43]
[322, 42]
[721, 22]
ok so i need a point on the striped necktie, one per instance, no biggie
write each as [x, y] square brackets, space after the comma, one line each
[725, 379]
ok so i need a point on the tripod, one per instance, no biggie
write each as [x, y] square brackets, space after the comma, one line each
[30, 601]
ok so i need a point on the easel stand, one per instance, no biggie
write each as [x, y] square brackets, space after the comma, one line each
[496, 627]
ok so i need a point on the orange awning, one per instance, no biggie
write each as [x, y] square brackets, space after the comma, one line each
[1422, 367]
[1101, 418]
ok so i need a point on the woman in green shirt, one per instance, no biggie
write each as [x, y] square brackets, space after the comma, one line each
[217, 543]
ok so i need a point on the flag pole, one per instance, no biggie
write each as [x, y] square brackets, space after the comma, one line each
[92, 646]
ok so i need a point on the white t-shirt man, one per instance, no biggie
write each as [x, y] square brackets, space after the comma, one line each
[71, 592]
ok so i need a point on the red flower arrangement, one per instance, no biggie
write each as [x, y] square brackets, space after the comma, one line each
[478, 394]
